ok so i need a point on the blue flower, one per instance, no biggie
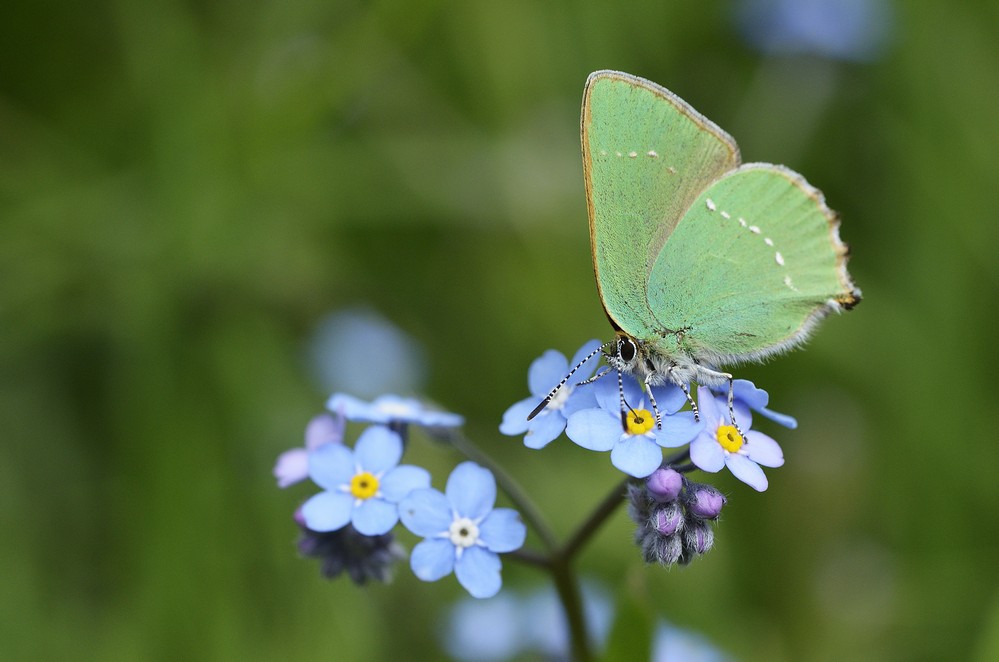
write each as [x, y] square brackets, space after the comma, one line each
[635, 451]
[756, 399]
[719, 444]
[672, 644]
[531, 625]
[837, 29]
[387, 409]
[546, 371]
[293, 466]
[363, 486]
[462, 531]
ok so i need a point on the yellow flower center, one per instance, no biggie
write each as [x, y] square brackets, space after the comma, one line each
[640, 421]
[364, 485]
[729, 438]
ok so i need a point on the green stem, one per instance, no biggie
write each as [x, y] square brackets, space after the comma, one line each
[567, 587]
[596, 519]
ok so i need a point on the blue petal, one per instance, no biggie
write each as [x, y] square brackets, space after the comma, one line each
[708, 407]
[746, 391]
[432, 559]
[378, 449]
[637, 455]
[606, 393]
[582, 397]
[544, 429]
[586, 371]
[678, 429]
[515, 418]
[743, 414]
[402, 480]
[502, 530]
[327, 511]
[747, 471]
[471, 489]
[478, 570]
[789, 422]
[331, 466]
[763, 450]
[374, 516]
[426, 512]
[439, 419]
[546, 372]
[707, 453]
[351, 408]
[670, 398]
[594, 429]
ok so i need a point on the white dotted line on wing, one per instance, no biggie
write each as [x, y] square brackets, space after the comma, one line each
[778, 257]
[652, 154]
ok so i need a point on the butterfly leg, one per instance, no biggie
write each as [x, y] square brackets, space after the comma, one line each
[655, 405]
[731, 405]
[594, 377]
[690, 399]
[624, 405]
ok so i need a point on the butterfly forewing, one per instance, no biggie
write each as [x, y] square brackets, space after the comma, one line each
[751, 266]
[647, 155]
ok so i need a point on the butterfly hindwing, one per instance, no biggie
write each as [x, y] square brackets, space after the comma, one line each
[646, 156]
[751, 266]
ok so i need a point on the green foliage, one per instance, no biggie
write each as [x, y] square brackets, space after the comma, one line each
[187, 188]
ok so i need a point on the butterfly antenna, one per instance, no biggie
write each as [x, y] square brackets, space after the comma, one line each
[551, 394]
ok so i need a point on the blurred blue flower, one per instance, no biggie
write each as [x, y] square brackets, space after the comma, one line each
[545, 372]
[293, 466]
[719, 444]
[511, 624]
[462, 531]
[363, 486]
[360, 351]
[836, 29]
[636, 451]
[756, 399]
[386, 409]
[673, 644]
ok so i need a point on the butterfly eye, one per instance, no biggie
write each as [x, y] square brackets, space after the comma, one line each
[626, 350]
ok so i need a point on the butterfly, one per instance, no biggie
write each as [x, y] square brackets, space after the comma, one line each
[701, 261]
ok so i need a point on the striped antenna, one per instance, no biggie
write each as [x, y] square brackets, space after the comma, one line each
[551, 394]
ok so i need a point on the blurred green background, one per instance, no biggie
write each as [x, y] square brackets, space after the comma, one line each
[187, 189]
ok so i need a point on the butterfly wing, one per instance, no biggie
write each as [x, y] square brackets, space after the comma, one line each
[752, 266]
[646, 156]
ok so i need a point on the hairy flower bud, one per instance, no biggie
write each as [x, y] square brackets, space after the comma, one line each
[704, 501]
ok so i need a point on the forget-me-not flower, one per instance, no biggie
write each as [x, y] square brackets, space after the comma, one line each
[720, 444]
[545, 372]
[387, 409]
[636, 451]
[462, 531]
[293, 466]
[363, 486]
[756, 399]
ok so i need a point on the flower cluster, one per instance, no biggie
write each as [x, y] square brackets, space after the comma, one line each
[636, 424]
[366, 491]
[673, 515]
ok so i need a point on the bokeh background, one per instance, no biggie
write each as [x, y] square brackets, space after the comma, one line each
[190, 190]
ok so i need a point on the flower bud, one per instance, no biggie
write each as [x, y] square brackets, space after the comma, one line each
[664, 484]
[698, 538]
[705, 502]
[669, 519]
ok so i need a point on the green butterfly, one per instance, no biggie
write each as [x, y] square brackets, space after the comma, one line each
[700, 261]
